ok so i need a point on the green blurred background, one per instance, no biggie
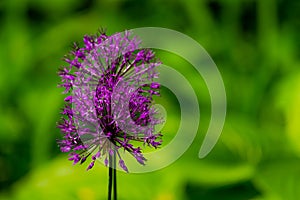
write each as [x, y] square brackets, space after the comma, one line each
[255, 44]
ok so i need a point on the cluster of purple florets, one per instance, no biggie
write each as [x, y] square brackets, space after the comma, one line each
[110, 86]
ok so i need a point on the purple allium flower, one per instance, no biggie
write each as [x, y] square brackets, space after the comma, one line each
[110, 86]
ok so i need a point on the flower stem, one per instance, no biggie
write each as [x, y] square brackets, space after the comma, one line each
[110, 178]
[115, 177]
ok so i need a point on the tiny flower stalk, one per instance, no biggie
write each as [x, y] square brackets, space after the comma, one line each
[108, 109]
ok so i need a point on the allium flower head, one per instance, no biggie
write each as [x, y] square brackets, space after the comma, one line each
[110, 86]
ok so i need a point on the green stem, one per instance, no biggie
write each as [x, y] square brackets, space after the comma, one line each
[110, 177]
[115, 177]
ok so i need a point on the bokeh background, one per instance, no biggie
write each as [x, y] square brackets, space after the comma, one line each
[255, 44]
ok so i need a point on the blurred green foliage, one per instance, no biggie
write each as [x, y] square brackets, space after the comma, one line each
[255, 44]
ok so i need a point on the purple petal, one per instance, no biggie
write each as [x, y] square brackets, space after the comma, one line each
[122, 165]
[91, 165]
